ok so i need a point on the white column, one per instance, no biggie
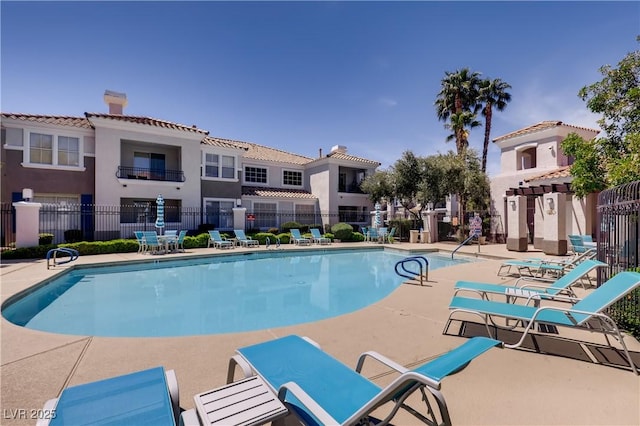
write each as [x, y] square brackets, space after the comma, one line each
[555, 223]
[239, 217]
[517, 223]
[27, 223]
[430, 226]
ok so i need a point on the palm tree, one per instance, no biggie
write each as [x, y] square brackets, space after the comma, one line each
[458, 124]
[458, 94]
[492, 93]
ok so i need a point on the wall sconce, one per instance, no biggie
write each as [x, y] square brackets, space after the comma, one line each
[551, 204]
[513, 204]
[27, 194]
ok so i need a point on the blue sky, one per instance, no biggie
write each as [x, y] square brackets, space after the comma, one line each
[300, 76]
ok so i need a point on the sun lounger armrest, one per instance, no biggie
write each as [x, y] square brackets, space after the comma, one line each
[240, 362]
[380, 358]
[310, 404]
[174, 393]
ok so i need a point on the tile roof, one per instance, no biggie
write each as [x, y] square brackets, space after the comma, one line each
[59, 120]
[259, 191]
[260, 152]
[224, 143]
[345, 156]
[148, 121]
[562, 172]
[543, 125]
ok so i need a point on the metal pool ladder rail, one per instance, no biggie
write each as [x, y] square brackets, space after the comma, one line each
[53, 253]
[463, 243]
[422, 262]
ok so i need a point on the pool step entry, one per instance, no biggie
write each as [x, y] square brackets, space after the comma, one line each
[421, 274]
[53, 254]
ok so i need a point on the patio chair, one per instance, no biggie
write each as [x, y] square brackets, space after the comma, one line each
[144, 397]
[319, 389]
[316, 237]
[178, 243]
[365, 232]
[578, 244]
[539, 267]
[152, 242]
[389, 237]
[298, 239]
[217, 241]
[587, 313]
[244, 240]
[142, 247]
[373, 234]
[535, 290]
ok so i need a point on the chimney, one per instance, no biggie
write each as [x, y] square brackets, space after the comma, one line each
[339, 148]
[320, 153]
[116, 101]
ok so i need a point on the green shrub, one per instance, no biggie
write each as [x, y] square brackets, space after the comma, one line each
[403, 226]
[45, 239]
[199, 241]
[342, 231]
[72, 235]
[285, 238]
[36, 252]
[273, 231]
[287, 226]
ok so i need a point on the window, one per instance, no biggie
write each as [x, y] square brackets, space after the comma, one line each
[290, 177]
[211, 165]
[40, 148]
[219, 166]
[305, 213]
[228, 167]
[68, 151]
[220, 213]
[255, 174]
[150, 165]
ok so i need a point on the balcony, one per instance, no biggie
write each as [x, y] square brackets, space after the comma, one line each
[163, 175]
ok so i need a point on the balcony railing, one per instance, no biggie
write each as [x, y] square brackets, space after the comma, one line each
[150, 174]
[350, 189]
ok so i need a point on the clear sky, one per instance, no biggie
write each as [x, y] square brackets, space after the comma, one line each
[300, 76]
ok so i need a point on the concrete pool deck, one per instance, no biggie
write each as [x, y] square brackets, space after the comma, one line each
[502, 387]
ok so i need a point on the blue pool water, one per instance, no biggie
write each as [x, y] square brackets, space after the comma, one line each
[211, 295]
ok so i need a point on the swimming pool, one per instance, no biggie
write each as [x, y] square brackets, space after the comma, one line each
[221, 294]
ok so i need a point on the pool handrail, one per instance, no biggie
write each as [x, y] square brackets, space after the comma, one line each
[473, 235]
[417, 259]
[73, 255]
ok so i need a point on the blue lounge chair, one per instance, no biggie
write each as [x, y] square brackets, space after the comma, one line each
[533, 290]
[218, 242]
[319, 389]
[373, 234]
[148, 397]
[298, 239]
[244, 240]
[318, 238]
[537, 267]
[588, 313]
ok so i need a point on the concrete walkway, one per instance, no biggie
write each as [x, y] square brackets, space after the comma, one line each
[502, 387]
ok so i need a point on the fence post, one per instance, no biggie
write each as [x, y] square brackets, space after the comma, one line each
[27, 223]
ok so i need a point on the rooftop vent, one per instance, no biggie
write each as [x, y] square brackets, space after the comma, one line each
[339, 148]
[116, 101]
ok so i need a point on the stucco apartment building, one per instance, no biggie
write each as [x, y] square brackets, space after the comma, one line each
[113, 159]
[532, 193]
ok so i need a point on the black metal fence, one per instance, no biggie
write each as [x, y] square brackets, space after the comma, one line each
[618, 237]
[90, 222]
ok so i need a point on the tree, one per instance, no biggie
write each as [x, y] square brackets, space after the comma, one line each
[408, 172]
[378, 186]
[458, 95]
[492, 94]
[611, 159]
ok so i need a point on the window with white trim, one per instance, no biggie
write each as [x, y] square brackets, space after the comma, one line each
[255, 174]
[291, 177]
[223, 166]
[68, 151]
[54, 150]
[40, 148]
